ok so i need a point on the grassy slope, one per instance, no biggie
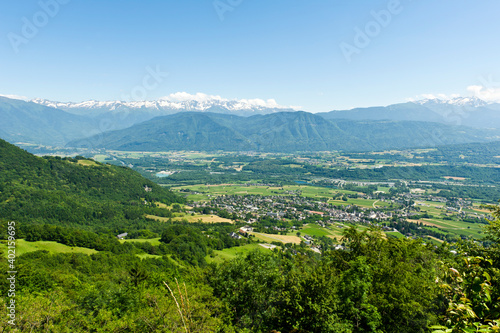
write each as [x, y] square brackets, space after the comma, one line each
[23, 247]
[153, 241]
[228, 254]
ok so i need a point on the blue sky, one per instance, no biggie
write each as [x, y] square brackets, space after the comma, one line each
[269, 49]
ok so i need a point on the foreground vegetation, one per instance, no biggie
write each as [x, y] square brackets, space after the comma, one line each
[374, 285]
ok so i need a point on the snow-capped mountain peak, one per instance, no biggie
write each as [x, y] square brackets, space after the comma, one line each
[180, 101]
[456, 101]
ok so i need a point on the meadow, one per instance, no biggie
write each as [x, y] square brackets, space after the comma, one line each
[206, 192]
[23, 247]
[191, 218]
[153, 241]
[231, 253]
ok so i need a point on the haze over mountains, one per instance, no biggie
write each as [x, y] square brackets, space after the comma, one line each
[469, 111]
[202, 122]
[28, 122]
[279, 132]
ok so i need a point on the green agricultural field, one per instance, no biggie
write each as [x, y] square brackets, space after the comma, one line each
[87, 163]
[456, 227]
[100, 158]
[335, 232]
[198, 197]
[192, 218]
[395, 234]
[231, 253]
[366, 203]
[235, 189]
[23, 247]
[153, 241]
[383, 189]
[269, 238]
[318, 231]
[434, 210]
[148, 256]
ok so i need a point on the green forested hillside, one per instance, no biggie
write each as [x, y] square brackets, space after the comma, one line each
[279, 132]
[73, 191]
[22, 121]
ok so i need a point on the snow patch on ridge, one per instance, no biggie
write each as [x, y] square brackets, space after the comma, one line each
[177, 101]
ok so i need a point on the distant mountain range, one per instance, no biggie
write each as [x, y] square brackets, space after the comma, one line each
[467, 111]
[279, 132]
[28, 122]
[201, 122]
[133, 112]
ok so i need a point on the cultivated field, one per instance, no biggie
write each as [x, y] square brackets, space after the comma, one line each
[192, 218]
[269, 238]
[206, 192]
[153, 241]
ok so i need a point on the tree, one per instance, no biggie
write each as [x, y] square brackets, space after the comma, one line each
[471, 285]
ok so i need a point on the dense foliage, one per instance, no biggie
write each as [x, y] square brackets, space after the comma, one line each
[278, 132]
[74, 191]
[374, 285]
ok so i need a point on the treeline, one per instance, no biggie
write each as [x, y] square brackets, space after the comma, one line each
[419, 230]
[186, 242]
[105, 292]
[425, 172]
[72, 237]
[489, 194]
[374, 285]
[192, 245]
[474, 153]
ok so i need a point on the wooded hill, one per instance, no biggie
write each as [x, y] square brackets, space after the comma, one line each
[279, 132]
[73, 191]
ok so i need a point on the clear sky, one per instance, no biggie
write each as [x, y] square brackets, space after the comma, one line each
[301, 53]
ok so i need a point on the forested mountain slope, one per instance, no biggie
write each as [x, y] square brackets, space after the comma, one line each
[279, 132]
[72, 191]
[22, 121]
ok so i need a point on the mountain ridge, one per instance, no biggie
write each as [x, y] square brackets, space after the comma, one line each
[279, 132]
[362, 128]
[469, 111]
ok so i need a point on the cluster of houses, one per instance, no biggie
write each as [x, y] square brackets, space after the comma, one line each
[251, 208]
[293, 206]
